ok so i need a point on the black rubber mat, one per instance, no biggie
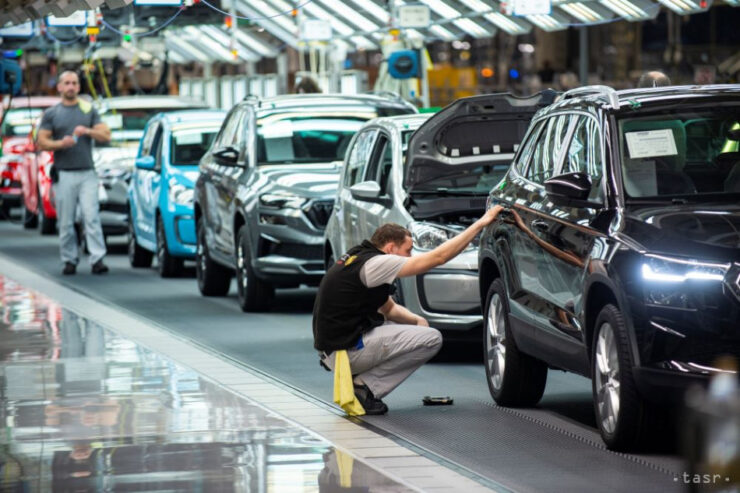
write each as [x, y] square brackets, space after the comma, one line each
[555, 447]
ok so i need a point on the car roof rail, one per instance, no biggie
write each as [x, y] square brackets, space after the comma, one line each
[385, 94]
[253, 98]
[605, 91]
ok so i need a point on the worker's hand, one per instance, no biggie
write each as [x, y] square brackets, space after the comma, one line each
[422, 322]
[490, 215]
[68, 141]
[80, 131]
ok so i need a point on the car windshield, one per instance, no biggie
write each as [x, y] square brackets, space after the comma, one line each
[127, 126]
[305, 139]
[19, 122]
[682, 154]
[188, 144]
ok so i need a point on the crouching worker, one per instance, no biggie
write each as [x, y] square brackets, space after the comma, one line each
[371, 342]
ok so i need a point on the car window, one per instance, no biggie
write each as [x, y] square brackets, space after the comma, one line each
[526, 154]
[228, 134]
[547, 150]
[359, 157]
[157, 147]
[146, 144]
[305, 139]
[381, 163]
[188, 144]
[584, 152]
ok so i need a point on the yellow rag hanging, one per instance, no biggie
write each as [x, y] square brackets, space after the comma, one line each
[345, 463]
[344, 391]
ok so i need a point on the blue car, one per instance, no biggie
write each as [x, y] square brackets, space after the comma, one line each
[160, 195]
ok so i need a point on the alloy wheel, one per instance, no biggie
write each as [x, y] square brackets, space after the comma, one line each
[607, 378]
[496, 341]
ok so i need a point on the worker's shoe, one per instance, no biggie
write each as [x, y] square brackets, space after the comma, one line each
[370, 403]
[69, 268]
[99, 267]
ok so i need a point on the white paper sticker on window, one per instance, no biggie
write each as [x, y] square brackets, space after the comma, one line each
[651, 143]
[277, 130]
[188, 138]
[113, 121]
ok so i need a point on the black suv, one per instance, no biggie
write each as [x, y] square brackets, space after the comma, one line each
[618, 253]
[266, 189]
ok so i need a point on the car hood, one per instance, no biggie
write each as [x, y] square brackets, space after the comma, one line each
[468, 133]
[305, 180]
[700, 231]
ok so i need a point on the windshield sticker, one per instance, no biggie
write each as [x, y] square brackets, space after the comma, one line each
[278, 130]
[651, 143]
[188, 138]
[640, 179]
[113, 121]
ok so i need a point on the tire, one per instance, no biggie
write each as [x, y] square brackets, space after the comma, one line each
[137, 256]
[167, 265]
[48, 225]
[514, 379]
[624, 420]
[213, 279]
[30, 220]
[5, 212]
[254, 294]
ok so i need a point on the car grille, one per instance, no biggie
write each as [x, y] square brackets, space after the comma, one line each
[293, 250]
[318, 212]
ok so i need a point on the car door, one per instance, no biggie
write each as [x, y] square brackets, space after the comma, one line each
[143, 191]
[219, 193]
[347, 206]
[535, 284]
[373, 212]
[572, 230]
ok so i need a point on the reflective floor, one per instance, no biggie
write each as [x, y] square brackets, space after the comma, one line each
[84, 409]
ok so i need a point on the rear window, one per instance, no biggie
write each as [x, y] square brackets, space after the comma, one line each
[19, 122]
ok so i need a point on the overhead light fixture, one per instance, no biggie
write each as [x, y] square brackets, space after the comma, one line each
[633, 10]
[443, 33]
[587, 13]
[549, 22]
[683, 7]
[475, 30]
[510, 25]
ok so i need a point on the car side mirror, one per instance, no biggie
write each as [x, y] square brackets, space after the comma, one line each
[366, 190]
[228, 155]
[145, 162]
[571, 190]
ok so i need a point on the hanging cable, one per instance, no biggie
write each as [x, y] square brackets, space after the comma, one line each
[162, 26]
[104, 80]
[63, 41]
[90, 85]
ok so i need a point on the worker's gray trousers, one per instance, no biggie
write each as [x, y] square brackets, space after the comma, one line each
[79, 188]
[392, 352]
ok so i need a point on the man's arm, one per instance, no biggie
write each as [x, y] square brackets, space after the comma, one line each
[400, 314]
[100, 132]
[448, 250]
[46, 143]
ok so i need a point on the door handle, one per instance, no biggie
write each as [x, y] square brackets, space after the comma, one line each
[540, 225]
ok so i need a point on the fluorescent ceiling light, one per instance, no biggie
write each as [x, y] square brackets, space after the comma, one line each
[255, 44]
[267, 10]
[683, 7]
[472, 28]
[442, 9]
[443, 33]
[586, 13]
[351, 15]
[336, 24]
[187, 48]
[479, 5]
[511, 25]
[376, 11]
[633, 10]
[552, 22]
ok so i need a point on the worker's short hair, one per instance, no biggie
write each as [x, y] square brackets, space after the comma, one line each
[68, 72]
[389, 232]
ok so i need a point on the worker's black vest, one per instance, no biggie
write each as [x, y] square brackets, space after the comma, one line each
[345, 308]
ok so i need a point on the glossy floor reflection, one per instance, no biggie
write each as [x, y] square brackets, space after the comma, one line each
[84, 409]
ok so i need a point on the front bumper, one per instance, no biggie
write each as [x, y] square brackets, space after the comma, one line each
[113, 203]
[447, 296]
[662, 386]
[181, 237]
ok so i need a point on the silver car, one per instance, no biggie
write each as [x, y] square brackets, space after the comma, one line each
[433, 176]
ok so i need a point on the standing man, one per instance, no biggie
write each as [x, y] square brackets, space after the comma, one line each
[67, 129]
[385, 342]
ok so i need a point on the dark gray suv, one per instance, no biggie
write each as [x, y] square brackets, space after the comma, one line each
[266, 190]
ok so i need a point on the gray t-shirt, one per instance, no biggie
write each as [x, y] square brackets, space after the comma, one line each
[381, 269]
[61, 120]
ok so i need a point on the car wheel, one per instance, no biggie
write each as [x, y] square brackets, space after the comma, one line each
[30, 220]
[514, 378]
[254, 293]
[621, 414]
[48, 225]
[137, 256]
[213, 279]
[167, 265]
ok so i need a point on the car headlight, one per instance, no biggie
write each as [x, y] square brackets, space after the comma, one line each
[180, 194]
[282, 201]
[667, 269]
[428, 236]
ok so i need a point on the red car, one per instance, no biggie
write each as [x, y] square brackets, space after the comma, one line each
[38, 194]
[17, 142]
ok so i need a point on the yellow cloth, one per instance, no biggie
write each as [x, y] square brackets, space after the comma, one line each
[344, 391]
[345, 463]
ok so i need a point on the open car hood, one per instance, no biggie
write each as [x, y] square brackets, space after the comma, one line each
[469, 133]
